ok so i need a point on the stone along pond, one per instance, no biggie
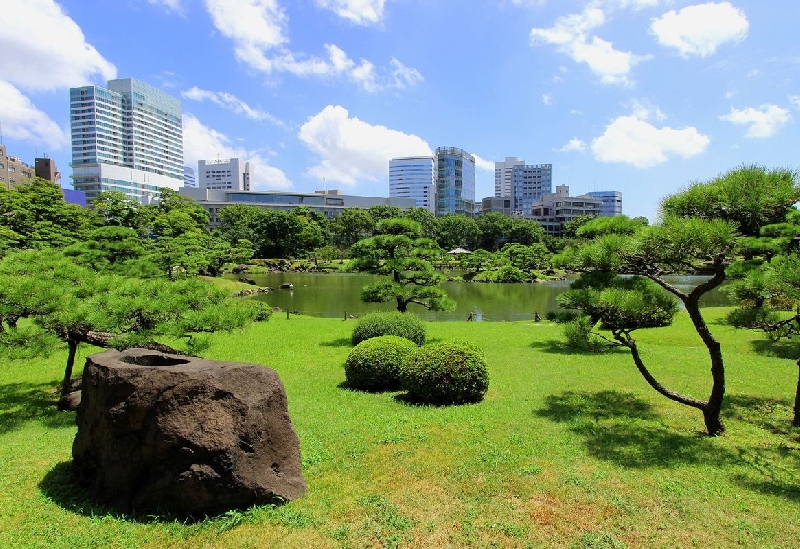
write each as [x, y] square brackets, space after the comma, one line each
[335, 295]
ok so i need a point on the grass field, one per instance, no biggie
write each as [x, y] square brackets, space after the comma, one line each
[566, 450]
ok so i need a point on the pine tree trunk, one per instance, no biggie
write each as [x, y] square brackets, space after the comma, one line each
[796, 420]
[67, 383]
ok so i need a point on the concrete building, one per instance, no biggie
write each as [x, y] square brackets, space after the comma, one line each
[455, 181]
[611, 202]
[554, 210]
[230, 174]
[523, 183]
[46, 169]
[126, 137]
[189, 177]
[497, 204]
[329, 203]
[13, 170]
[414, 177]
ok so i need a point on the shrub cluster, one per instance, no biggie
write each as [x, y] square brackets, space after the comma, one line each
[389, 323]
[374, 364]
[580, 337]
[445, 373]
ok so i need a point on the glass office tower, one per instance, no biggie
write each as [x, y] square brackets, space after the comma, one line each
[455, 181]
[414, 177]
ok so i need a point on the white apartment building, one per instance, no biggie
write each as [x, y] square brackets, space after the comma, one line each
[126, 137]
[523, 183]
[229, 174]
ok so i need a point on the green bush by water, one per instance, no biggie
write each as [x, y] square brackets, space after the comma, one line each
[389, 323]
[374, 364]
[445, 373]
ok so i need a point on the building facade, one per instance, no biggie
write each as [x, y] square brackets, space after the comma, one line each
[455, 182]
[328, 203]
[523, 183]
[126, 137]
[230, 174]
[503, 175]
[46, 169]
[496, 204]
[414, 177]
[189, 177]
[554, 210]
[611, 202]
[13, 170]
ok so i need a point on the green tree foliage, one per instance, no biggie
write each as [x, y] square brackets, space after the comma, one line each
[111, 248]
[426, 219]
[78, 305]
[35, 215]
[535, 257]
[380, 212]
[457, 231]
[750, 196]
[445, 373]
[571, 227]
[114, 208]
[525, 231]
[763, 292]
[494, 230]
[678, 245]
[399, 252]
[350, 226]
[618, 224]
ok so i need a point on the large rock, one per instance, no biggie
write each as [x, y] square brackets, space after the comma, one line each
[167, 433]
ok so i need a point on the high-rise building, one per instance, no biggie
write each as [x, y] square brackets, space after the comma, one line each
[455, 181]
[528, 184]
[502, 175]
[232, 174]
[126, 137]
[189, 177]
[611, 202]
[414, 177]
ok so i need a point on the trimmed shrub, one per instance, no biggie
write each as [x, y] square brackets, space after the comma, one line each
[445, 373]
[374, 364]
[389, 323]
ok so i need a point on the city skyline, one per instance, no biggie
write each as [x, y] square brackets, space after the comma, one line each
[638, 96]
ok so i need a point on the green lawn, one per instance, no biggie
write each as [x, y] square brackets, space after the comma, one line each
[565, 451]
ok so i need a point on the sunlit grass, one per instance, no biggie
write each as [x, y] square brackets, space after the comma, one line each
[566, 450]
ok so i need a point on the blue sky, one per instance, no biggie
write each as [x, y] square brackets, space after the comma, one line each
[641, 96]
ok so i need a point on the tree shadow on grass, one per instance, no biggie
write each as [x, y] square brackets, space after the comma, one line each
[784, 348]
[624, 429]
[340, 342]
[23, 402]
[771, 414]
[558, 347]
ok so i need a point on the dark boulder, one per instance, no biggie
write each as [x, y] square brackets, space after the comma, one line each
[168, 433]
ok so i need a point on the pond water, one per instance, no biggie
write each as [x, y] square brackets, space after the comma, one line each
[337, 295]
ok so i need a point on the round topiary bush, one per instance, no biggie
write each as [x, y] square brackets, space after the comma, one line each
[445, 373]
[389, 323]
[374, 364]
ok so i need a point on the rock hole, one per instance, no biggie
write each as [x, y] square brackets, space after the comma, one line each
[275, 467]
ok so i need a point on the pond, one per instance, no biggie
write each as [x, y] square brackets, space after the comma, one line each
[337, 295]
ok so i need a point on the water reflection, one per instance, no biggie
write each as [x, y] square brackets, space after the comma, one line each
[337, 295]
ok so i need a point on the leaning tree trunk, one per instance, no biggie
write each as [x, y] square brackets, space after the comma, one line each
[72, 344]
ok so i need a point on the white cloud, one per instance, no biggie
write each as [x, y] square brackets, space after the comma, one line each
[360, 12]
[547, 99]
[258, 30]
[43, 49]
[644, 110]
[482, 164]
[22, 120]
[203, 143]
[350, 149]
[764, 121]
[631, 140]
[571, 36]
[574, 144]
[701, 29]
[795, 101]
[232, 103]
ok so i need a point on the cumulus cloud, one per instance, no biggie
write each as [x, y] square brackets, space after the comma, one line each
[43, 49]
[258, 29]
[350, 149]
[203, 143]
[701, 29]
[483, 164]
[232, 103]
[360, 12]
[571, 35]
[22, 120]
[633, 140]
[573, 145]
[765, 121]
